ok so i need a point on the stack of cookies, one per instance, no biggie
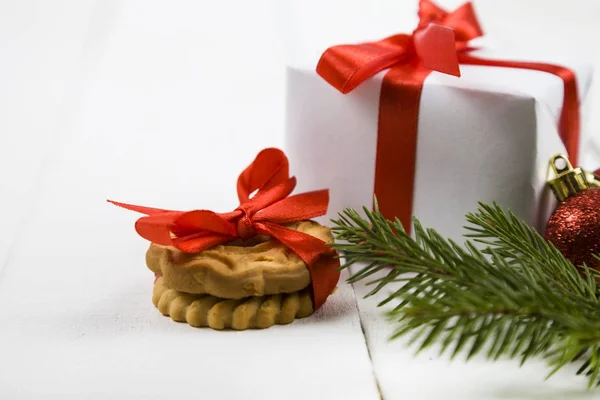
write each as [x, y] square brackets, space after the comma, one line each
[255, 283]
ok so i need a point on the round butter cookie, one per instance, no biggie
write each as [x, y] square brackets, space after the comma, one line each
[258, 267]
[255, 312]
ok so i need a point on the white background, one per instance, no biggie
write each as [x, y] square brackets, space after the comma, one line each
[163, 104]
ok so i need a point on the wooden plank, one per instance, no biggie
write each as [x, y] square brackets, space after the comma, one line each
[403, 375]
[157, 124]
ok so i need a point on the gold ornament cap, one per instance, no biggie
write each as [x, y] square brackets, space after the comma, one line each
[592, 179]
[568, 181]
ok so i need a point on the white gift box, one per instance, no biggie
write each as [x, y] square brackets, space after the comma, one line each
[486, 136]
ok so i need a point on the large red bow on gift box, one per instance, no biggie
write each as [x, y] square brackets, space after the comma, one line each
[264, 214]
[439, 43]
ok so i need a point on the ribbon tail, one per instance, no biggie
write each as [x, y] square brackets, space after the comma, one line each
[321, 260]
[569, 122]
[141, 209]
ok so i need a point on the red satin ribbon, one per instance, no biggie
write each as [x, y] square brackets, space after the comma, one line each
[439, 43]
[262, 214]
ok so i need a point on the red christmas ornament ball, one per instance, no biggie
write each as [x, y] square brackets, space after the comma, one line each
[574, 228]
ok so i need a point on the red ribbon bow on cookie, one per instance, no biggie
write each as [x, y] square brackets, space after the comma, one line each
[264, 214]
[440, 43]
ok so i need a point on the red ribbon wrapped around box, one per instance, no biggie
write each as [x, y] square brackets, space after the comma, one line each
[262, 214]
[439, 43]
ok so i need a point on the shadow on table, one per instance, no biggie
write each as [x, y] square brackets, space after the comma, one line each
[128, 310]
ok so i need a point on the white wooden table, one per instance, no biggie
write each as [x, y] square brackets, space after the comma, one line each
[164, 104]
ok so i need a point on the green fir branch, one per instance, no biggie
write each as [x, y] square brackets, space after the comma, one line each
[516, 297]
